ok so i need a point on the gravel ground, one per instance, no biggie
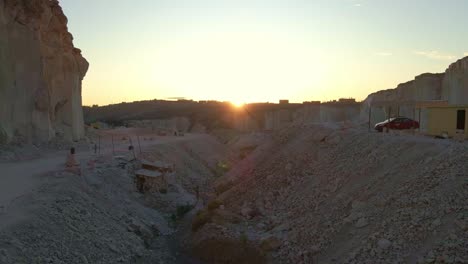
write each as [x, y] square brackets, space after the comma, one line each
[98, 217]
[305, 194]
[347, 196]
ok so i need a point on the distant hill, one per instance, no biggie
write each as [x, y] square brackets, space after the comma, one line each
[211, 114]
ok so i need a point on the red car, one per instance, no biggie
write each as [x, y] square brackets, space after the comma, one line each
[397, 123]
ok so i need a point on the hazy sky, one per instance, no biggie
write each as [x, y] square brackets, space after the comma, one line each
[261, 50]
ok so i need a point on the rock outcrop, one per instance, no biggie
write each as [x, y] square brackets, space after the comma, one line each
[425, 87]
[451, 86]
[455, 84]
[41, 73]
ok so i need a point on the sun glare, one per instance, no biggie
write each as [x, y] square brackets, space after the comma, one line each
[237, 67]
[237, 104]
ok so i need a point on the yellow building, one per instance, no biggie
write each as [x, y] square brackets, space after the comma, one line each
[449, 120]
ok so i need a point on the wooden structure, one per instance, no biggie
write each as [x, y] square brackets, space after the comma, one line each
[150, 181]
[157, 166]
[153, 176]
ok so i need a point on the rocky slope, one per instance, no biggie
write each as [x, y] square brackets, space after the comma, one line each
[322, 195]
[99, 217]
[40, 73]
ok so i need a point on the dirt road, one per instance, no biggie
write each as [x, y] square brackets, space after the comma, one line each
[49, 215]
[20, 178]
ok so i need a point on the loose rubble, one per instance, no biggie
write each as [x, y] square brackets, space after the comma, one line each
[348, 196]
[98, 216]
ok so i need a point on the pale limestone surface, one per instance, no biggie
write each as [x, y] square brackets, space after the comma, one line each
[41, 73]
[455, 83]
[450, 86]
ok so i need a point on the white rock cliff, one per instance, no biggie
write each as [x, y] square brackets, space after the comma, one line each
[40, 73]
[451, 86]
[455, 84]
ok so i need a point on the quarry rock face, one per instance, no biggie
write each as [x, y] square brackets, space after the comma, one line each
[428, 86]
[455, 83]
[40, 73]
[451, 86]
[425, 87]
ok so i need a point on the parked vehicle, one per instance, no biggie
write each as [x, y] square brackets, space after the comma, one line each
[397, 123]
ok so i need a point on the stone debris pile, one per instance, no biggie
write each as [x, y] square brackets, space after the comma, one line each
[346, 196]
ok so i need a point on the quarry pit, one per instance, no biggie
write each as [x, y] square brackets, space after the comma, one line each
[327, 194]
[183, 181]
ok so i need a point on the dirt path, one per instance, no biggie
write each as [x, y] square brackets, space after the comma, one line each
[20, 178]
[50, 215]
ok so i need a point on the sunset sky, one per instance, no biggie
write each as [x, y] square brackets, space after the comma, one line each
[261, 50]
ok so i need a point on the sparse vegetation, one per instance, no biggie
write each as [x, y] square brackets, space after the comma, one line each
[221, 168]
[182, 210]
[223, 187]
[245, 151]
[173, 220]
[3, 136]
[201, 218]
[243, 239]
[214, 204]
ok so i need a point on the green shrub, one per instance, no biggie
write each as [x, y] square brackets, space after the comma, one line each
[3, 136]
[223, 187]
[221, 168]
[182, 210]
[245, 151]
[201, 218]
[214, 204]
[243, 239]
[172, 221]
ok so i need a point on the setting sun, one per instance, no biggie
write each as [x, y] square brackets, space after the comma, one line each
[238, 104]
[238, 66]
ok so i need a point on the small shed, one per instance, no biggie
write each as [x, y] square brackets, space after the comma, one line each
[450, 120]
[150, 181]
